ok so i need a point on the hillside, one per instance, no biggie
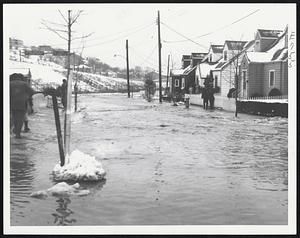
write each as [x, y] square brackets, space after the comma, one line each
[45, 73]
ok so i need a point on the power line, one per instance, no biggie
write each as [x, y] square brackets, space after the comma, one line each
[218, 29]
[118, 38]
[118, 33]
[189, 39]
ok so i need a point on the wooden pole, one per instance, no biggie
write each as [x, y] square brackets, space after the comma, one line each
[58, 131]
[127, 62]
[236, 93]
[159, 58]
[168, 71]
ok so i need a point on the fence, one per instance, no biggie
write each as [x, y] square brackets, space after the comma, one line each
[264, 98]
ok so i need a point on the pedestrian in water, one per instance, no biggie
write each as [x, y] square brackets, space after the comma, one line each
[64, 87]
[205, 98]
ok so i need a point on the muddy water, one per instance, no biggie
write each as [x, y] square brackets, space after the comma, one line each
[165, 165]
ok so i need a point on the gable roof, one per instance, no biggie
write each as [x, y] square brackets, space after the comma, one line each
[186, 57]
[269, 33]
[198, 55]
[217, 49]
[276, 52]
[235, 45]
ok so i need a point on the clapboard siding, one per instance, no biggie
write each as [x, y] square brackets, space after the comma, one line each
[256, 79]
[276, 66]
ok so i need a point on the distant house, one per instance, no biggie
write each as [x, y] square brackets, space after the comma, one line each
[228, 66]
[185, 61]
[112, 74]
[15, 43]
[47, 49]
[214, 53]
[266, 73]
[182, 80]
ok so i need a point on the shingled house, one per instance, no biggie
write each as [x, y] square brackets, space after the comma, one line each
[266, 73]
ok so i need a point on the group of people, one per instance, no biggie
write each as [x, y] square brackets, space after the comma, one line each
[208, 96]
[21, 102]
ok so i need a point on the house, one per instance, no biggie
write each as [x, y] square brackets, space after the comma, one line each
[183, 80]
[265, 38]
[15, 43]
[214, 53]
[185, 61]
[227, 68]
[265, 73]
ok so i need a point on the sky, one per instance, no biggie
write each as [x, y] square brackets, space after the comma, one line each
[112, 24]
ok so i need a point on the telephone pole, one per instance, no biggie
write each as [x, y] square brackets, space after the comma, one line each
[159, 58]
[127, 61]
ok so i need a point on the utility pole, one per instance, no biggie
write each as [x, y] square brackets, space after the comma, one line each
[168, 71]
[127, 61]
[159, 58]
[75, 85]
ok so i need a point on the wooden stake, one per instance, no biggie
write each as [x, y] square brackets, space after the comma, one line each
[159, 58]
[58, 131]
[127, 62]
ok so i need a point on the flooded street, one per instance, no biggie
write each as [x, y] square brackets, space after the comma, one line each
[165, 165]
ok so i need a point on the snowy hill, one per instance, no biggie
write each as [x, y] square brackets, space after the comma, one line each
[50, 74]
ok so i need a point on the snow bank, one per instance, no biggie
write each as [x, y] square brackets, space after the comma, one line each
[61, 189]
[81, 167]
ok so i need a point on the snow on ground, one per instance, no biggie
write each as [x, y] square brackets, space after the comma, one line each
[39, 72]
[61, 189]
[79, 167]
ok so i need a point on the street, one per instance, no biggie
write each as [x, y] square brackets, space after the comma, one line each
[165, 165]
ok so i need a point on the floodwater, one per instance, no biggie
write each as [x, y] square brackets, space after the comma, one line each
[165, 165]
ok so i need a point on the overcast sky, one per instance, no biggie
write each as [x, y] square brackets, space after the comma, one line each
[112, 24]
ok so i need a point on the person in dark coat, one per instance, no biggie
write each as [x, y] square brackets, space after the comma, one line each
[64, 88]
[205, 98]
[20, 93]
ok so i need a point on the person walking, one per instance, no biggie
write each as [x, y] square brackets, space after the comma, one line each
[64, 88]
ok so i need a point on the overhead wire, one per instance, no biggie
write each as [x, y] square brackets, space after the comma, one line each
[218, 29]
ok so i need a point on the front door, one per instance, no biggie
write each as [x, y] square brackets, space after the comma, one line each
[244, 91]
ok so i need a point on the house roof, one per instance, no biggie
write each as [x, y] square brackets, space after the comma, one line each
[277, 52]
[186, 57]
[235, 45]
[177, 72]
[198, 55]
[205, 68]
[188, 70]
[217, 49]
[269, 33]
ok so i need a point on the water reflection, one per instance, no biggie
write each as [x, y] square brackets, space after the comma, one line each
[63, 212]
[22, 171]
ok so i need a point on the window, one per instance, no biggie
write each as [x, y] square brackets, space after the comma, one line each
[176, 82]
[244, 79]
[225, 55]
[216, 81]
[183, 83]
[210, 58]
[271, 78]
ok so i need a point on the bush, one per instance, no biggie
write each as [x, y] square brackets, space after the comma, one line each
[275, 92]
[217, 89]
[230, 93]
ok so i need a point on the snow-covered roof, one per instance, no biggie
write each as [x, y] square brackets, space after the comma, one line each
[277, 51]
[205, 69]
[188, 69]
[258, 57]
[176, 72]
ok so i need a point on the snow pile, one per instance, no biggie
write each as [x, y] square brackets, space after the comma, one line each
[81, 167]
[61, 189]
